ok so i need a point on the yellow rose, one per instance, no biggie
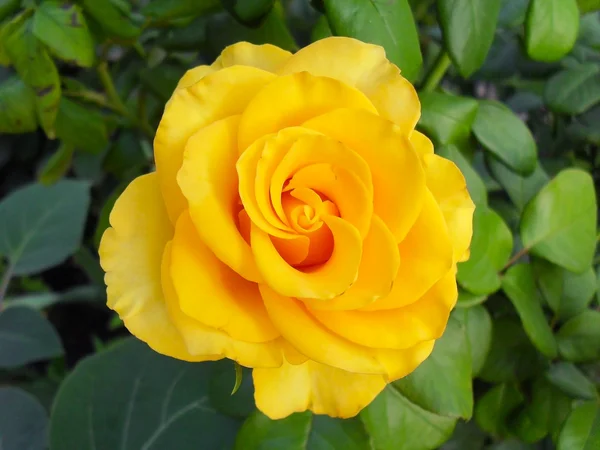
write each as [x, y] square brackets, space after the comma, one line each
[296, 223]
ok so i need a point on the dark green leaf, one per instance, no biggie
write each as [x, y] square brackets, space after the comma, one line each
[248, 11]
[466, 436]
[469, 27]
[17, 107]
[569, 379]
[57, 165]
[23, 421]
[559, 224]
[579, 338]
[129, 397]
[582, 429]
[191, 37]
[394, 423]
[161, 10]
[506, 136]
[490, 249]
[588, 5]
[61, 26]
[222, 378]
[519, 285]
[493, 409]
[7, 7]
[551, 28]
[41, 226]
[112, 19]
[382, 22]
[26, 337]
[574, 90]
[475, 184]
[478, 327]
[447, 119]
[81, 127]
[321, 29]
[512, 13]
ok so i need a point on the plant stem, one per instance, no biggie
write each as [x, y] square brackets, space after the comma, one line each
[516, 257]
[4, 283]
[435, 75]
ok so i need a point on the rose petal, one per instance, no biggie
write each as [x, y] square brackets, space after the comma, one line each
[266, 56]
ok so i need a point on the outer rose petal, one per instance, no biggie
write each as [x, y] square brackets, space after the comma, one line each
[212, 293]
[266, 57]
[421, 143]
[216, 96]
[130, 254]
[316, 387]
[365, 67]
[194, 75]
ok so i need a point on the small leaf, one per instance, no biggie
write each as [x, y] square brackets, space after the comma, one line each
[41, 226]
[81, 127]
[26, 337]
[569, 379]
[469, 27]
[493, 409]
[551, 28]
[57, 166]
[559, 224]
[582, 428]
[519, 286]
[23, 421]
[447, 119]
[381, 22]
[62, 27]
[238, 377]
[475, 184]
[112, 19]
[579, 338]
[506, 136]
[17, 107]
[490, 249]
[574, 90]
[161, 10]
[478, 326]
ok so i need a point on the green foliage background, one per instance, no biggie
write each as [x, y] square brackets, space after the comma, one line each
[510, 91]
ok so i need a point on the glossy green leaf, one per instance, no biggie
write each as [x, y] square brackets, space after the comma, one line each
[551, 28]
[302, 431]
[112, 19]
[447, 119]
[582, 429]
[26, 337]
[62, 27]
[17, 107]
[570, 380]
[490, 249]
[161, 10]
[57, 165]
[81, 127]
[41, 226]
[130, 397]
[519, 285]
[574, 90]
[567, 293]
[579, 338]
[23, 421]
[588, 5]
[492, 410]
[248, 11]
[505, 135]
[478, 327]
[382, 22]
[395, 423]
[475, 184]
[559, 224]
[469, 27]
[442, 383]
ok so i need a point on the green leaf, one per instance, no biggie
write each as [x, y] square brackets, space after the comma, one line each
[394, 423]
[161, 10]
[23, 421]
[113, 20]
[570, 380]
[519, 286]
[559, 224]
[36, 69]
[574, 90]
[586, 6]
[467, 299]
[26, 337]
[223, 376]
[61, 26]
[301, 431]
[81, 127]
[505, 135]
[478, 326]
[447, 119]
[494, 408]
[321, 30]
[57, 165]
[567, 293]
[551, 29]
[7, 7]
[475, 184]
[129, 397]
[582, 429]
[512, 13]
[248, 11]
[17, 107]
[520, 189]
[382, 22]
[579, 338]
[469, 27]
[41, 226]
[442, 383]
[511, 356]
[466, 436]
[490, 249]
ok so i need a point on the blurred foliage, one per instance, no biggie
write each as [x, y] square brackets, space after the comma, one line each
[510, 91]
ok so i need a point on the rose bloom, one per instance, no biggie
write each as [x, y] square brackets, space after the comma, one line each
[296, 223]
